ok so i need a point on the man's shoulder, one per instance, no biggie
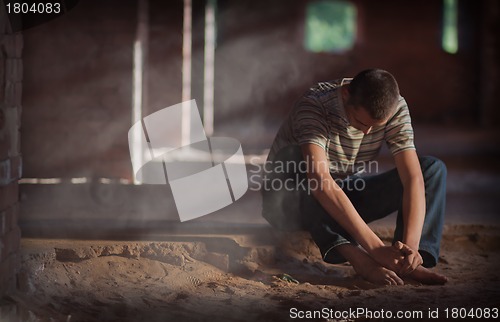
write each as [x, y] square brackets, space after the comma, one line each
[322, 94]
[401, 112]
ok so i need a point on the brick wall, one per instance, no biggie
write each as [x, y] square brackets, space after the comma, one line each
[11, 74]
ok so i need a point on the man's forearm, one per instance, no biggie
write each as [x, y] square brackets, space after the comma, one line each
[335, 201]
[413, 212]
[340, 208]
[410, 173]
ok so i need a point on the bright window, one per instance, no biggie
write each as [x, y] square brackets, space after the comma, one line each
[450, 26]
[330, 26]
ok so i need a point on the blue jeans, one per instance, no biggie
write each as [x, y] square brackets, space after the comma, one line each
[292, 206]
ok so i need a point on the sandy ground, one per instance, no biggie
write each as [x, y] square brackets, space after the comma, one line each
[238, 278]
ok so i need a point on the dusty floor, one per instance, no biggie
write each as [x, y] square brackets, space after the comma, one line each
[237, 278]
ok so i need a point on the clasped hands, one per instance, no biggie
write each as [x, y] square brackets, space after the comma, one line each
[400, 258]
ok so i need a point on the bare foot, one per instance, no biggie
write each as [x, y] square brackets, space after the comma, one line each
[426, 276]
[368, 268]
[377, 274]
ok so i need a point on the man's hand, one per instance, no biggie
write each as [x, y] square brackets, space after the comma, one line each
[399, 258]
[390, 257]
[412, 258]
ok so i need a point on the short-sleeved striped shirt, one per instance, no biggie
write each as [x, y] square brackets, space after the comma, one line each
[319, 117]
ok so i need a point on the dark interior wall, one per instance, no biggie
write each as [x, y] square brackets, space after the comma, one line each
[79, 91]
[404, 37]
[490, 62]
[262, 64]
[164, 81]
[11, 77]
[78, 75]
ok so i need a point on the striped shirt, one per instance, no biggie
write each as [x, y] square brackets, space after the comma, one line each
[319, 118]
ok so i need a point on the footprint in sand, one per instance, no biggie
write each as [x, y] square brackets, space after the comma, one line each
[195, 281]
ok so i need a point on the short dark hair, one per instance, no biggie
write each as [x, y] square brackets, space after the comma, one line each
[376, 90]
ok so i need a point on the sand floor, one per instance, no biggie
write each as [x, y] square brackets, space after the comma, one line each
[240, 278]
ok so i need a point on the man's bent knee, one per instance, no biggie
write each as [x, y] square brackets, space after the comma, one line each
[432, 166]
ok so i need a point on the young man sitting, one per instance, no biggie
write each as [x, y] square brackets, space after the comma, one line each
[318, 155]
